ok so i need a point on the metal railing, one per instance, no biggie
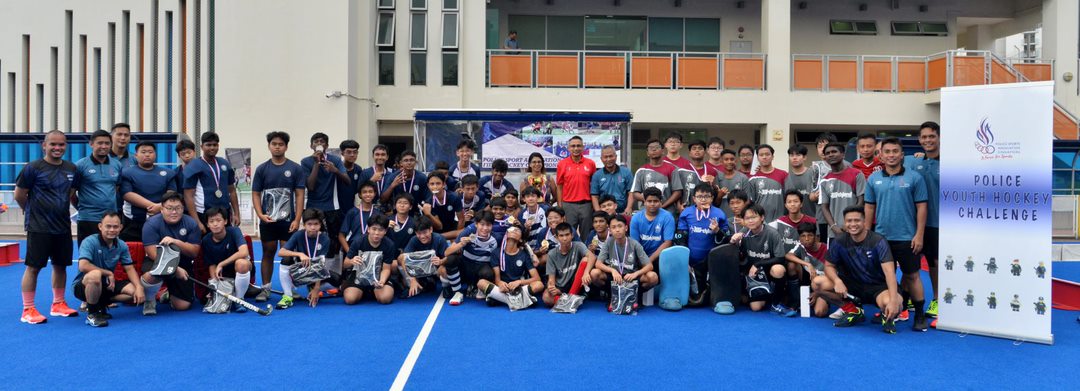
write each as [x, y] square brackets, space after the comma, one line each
[625, 69]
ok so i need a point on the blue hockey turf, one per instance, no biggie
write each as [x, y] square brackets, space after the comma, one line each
[335, 346]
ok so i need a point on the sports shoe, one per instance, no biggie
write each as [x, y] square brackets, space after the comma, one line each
[32, 316]
[784, 311]
[149, 308]
[850, 319]
[931, 310]
[286, 302]
[920, 323]
[105, 315]
[96, 320]
[889, 327]
[264, 295]
[457, 299]
[447, 292]
[933, 323]
[902, 317]
[62, 309]
[837, 315]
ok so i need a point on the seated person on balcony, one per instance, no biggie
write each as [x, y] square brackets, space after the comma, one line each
[511, 41]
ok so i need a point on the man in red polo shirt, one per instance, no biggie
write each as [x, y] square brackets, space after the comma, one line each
[573, 177]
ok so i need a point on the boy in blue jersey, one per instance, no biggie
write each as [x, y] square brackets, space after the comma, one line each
[185, 153]
[445, 207]
[402, 225]
[469, 258]
[652, 227]
[95, 284]
[464, 166]
[142, 187]
[701, 229]
[471, 202]
[303, 246]
[356, 219]
[171, 227]
[426, 239]
[533, 215]
[277, 198]
[495, 185]
[378, 170]
[210, 182]
[350, 149]
[896, 209]
[375, 240]
[99, 177]
[226, 253]
[406, 180]
[503, 221]
[323, 174]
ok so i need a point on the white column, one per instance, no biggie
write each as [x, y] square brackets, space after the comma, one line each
[1061, 31]
[776, 43]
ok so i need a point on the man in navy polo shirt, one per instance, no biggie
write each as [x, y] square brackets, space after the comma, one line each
[96, 193]
[142, 187]
[896, 208]
[277, 197]
[406, 180]
[96, 284]
[43, 190]
[171, 226]
[121, 138]
[612, 179]
[324, 173]
[929, 166]
[209, 182]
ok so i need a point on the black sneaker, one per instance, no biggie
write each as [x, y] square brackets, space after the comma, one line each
[889, 326]
[850, 319]
[447, 292]
[105, 315]
[920, 322]
[95, 319]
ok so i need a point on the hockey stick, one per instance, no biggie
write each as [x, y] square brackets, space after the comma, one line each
[234, 299]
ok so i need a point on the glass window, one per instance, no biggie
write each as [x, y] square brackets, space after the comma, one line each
[450, 30]
[900, 28]
[385, 29]
[386, 4]
[386, 68]
[565, 33]
[530, 31]
[934, 28]
[492, 29]
[450, 68]
[665, 34]
[1064, 158]
[866, 27]
[450, 4]
[418, 40]
[841, 27]
[418, 68]
[1062, 179]
[418, 4]
[702, 35]
[615, 33]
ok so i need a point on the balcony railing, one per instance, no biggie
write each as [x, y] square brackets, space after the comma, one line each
[627, 70]
[868, 73]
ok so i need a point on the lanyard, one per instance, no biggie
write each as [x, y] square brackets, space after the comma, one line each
[702, 215]
[626, 247]
[400, 225]
[471, 204]
[704, 172]
[215, 173]
[436, 202]
[363, 221]
[307, 246]
[411, 181]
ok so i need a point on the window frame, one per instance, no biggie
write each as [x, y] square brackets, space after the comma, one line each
[854, 27]
[457, 30]
[457, 5]
[921, 29]
[378, 27]
[412, 31]
[413, 7]
[379, 5]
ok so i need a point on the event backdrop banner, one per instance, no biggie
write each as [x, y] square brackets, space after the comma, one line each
[515, 141]
[995, 210]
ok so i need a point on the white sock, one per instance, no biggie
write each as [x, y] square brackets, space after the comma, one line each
[286, 280]
[242, 282]
[497, 295]
[150, 290]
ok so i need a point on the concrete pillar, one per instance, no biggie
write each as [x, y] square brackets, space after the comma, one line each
[362, 78]
[1061, 31]
[776, 44]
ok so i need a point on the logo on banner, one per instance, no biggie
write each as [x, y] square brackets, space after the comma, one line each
[985, 137]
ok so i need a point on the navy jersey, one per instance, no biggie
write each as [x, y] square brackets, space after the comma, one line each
[355, 222]
[208, 181]
[478, 250]
[386, 246]
[446, 209]
[437, 243]
[513, 267]
[150, 184]
[324, 195]
[277, 186]
[860, 261]
[48, 195]
[214, 252]
[312, 247]
[347, 191]
[489, 189]
[186, 230]
[401, 230]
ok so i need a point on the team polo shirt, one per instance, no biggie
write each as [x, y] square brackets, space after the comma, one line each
[403, 230]
[930, 169]
[535, 229]
[563, 266]
[199, 175]
[839, 191]
[489, 189]
[312, 247]
[367, 174]
[821, 169]
[681, 162]
[476, 204]
[277, 186]
[446, 209]
[347, 191]
[98, 182]
[701, 239]
[660, 177]
[125, 160]
[861, 261]
[361, 245]
[895, 197]
[185, 230]
[739, 181]
[690, 179]
[457, 173]
[651, 234]
[763, 248]
[214, 252]
[103, 254]
[788, 233]
[478, 250]
[324, 195]
[616, 184]
[805, 184]
[150, 183]
[48, 198]
[416, 186]
[628, 257]
[501, 225]
[574, 178]
[513, 267]
[355, 222]
[438, 243]
[767, 190]
[548, 234]
[868, 168]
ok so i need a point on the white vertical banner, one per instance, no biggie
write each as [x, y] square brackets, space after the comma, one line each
[995, 210]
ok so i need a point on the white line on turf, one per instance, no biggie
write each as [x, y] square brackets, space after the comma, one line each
[418, 345]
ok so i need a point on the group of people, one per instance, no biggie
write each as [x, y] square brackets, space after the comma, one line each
[841, 228]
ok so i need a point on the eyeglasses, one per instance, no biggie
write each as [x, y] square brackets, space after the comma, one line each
[703, 197]
[173, 209]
